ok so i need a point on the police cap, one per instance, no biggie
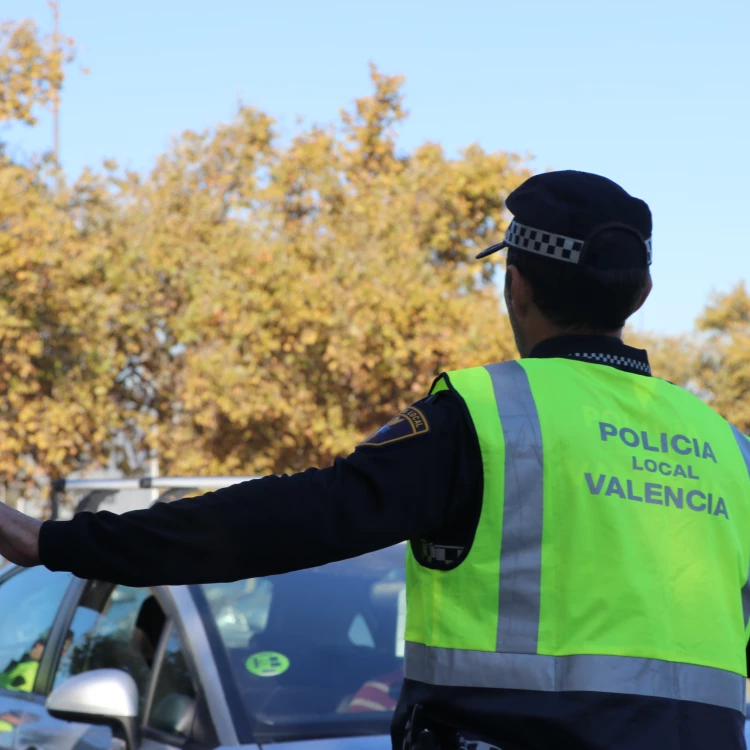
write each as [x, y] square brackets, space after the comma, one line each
[561, 215]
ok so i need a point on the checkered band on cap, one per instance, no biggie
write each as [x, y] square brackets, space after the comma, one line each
[544, 243]
[551, 245]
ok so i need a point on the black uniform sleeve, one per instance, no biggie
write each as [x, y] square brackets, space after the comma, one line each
[388, 491]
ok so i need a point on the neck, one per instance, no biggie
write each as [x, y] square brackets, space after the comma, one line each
[534, 338]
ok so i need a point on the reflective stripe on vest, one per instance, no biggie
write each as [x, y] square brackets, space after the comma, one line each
[604, 674]
[744, 445]
[523, 510]
[542, 610]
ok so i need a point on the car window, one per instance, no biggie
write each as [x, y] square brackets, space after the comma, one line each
[315, 652]
[174, 702]
[29, 601]
[113, 628]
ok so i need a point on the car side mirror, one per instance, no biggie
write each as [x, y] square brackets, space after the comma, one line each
[107, 697]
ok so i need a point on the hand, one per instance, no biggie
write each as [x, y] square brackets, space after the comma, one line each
[19, 537]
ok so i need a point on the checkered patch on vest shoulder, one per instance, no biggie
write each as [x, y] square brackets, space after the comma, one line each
[614, 360]
[440, 554]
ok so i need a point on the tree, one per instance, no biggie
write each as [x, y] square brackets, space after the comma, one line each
[281, 301]
[713, 361]
[31, 70]
[264, 304]
[725, 366]
[257, 304]
[58, 358]
[56, 412]
[672, 358]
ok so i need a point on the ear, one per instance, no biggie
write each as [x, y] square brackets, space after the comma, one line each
[644, 295]
[518, 292]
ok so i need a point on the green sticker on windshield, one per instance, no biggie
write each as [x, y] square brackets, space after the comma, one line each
[267, 664]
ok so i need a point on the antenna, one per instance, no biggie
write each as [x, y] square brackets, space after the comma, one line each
[55, 5]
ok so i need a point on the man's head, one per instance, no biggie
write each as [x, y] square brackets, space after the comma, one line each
[37, 650]
[579, 250]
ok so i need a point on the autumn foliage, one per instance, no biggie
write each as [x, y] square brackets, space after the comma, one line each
[257, 304]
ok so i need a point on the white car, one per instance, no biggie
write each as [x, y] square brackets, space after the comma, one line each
[314, 656]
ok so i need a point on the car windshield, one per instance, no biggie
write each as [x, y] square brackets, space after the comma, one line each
[316, 653]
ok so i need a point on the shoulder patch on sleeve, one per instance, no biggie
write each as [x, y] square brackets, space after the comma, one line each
[410, 423]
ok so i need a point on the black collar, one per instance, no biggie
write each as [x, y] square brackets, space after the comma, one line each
[603, 350]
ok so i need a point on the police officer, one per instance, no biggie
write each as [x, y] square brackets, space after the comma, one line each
[21, 674]
[579, 531]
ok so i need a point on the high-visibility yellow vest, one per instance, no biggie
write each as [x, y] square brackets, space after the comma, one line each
[613, 548]
[21, 677]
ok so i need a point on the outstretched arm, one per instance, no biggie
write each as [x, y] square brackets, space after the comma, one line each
[380, 495]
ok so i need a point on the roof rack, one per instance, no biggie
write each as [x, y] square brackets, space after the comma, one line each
[149, 483]
[98, 490]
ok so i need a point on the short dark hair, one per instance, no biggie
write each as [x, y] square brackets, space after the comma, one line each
[598, 298]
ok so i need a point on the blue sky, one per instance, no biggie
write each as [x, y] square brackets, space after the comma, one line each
[654, 94]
